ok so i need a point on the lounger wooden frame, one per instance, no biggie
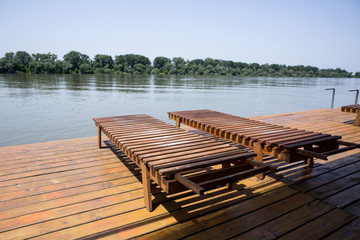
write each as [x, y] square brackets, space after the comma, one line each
[284, 143]
[354, 108]
[175, 159]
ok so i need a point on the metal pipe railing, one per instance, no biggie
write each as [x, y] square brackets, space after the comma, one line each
[357, 94]
[333, 96]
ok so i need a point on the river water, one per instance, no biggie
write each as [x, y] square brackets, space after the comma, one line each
[39, 108]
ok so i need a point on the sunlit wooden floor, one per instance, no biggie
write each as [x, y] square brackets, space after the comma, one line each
[71, 189]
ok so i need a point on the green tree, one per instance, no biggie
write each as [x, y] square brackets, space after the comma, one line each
[73, 60]
[7, 63]
[159, 62]
[43, 63]
[103, 61]
[180, 65]
[126, 63]
[22, 60]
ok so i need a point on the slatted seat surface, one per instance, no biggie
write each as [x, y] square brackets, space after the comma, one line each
[354, 108]
[171, 155]
[288, 144]
[269, 134]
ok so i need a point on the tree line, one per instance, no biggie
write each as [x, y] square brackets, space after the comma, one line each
[77, 63]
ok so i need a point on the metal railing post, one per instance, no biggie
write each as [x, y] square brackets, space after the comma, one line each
[357, 94]
[333, 96]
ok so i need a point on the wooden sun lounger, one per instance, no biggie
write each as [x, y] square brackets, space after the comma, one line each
[175, 159]
[354, 108]
[284, 143]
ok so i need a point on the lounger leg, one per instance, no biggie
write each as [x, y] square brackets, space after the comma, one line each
[146, 185]
[99, 136]
[258, 149]
[178, 122]
[310, 160]
[226, 165]
[357, 120]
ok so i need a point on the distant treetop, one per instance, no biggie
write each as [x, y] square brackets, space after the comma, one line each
[75, 62]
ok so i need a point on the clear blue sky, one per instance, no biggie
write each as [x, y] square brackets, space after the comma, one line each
[322, 33]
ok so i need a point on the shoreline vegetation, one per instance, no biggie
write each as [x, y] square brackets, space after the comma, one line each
[77, 63]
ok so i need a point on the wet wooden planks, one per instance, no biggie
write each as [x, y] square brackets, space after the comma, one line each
[102, 197]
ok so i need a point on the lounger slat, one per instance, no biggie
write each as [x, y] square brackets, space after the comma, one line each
[268, 135]
[316, 138]
[154, 163]
[181, 168]
[291, 137]
[232, 178]
[181, 153]
[190, 146]
[200, 159]
[323, 140]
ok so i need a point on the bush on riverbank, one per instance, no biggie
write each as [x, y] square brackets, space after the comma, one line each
[76, 62]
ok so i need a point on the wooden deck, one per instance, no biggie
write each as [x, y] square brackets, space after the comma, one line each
[71, 189]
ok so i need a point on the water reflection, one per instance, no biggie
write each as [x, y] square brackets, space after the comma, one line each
[36, 108]
[103, 82]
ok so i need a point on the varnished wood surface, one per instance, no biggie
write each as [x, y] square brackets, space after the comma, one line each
[163, 151]
[351, 108]
[284, 143]
[354, 108]
[71, 189]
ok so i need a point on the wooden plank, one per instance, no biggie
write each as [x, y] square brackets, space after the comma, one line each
[174, 149]
[189, 184]
[200, 164]
[193, 214]
[327, 177]
[349, 231]
[197, 222]
[182, 152]
[288, 222]
[124, 225]
[313, 141]
[246, 222]
[345, 197]
[232, 177]
[56, 179]
[199, 159]
[335, 186]
[119, 202]
[324, 225]
[55, 169]
[28, 209]
[13, 172]
[309, 173]
[57, 184]
[61, 193]
[55, 175]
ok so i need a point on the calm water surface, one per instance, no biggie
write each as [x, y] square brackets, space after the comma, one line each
[38, 108]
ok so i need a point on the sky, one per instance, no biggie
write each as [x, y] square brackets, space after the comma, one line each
[321, 33]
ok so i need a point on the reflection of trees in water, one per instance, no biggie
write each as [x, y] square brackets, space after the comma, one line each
[38, 81]
[157, 84]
